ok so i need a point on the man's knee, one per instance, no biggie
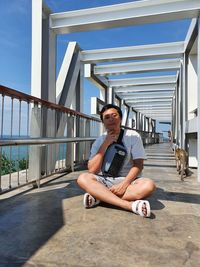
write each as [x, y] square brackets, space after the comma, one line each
[149, 185]
[146, 185]
[84, 178]
[81, 179]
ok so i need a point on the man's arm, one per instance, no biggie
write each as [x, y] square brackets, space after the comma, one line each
[135, 170]
[94, 164]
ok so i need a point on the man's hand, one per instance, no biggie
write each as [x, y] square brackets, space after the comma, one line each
[119, 189]
[111, 137]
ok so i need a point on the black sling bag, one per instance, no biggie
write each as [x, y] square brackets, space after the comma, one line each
[114, 157]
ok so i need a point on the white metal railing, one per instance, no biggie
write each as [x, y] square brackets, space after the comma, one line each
[39, 138]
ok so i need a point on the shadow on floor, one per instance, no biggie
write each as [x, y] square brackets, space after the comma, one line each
[161, 194]
[30, 220]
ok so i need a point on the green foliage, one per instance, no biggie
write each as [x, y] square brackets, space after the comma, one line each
[22, 164]
[9, 166]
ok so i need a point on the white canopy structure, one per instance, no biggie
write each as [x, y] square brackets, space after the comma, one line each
[152, 95]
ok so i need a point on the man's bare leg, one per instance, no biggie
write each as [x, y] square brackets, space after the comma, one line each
[88, 182]
[139, 190]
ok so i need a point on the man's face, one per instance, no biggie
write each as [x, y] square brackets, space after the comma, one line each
[111, 119]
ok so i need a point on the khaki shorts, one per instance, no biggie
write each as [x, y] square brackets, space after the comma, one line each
[110, 181]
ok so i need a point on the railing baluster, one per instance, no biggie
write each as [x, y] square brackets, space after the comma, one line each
[73, 124]
[27, 134]
[19, 134]
[2, 114]
[11, 134]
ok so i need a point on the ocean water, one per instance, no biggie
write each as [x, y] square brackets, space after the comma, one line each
[14, 152]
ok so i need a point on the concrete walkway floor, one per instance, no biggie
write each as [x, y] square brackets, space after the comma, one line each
[49, 226]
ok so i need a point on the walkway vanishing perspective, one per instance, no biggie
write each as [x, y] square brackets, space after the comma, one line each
[48, 226]
[151, 81]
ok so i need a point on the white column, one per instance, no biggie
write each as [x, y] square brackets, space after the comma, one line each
[35, 153]
[81, 87]
[43, 83]
[43, 68]
[36, 85]
[102, 94]
[198, 104]
[52, 67]
[179, 110]
[110, 95]
[36, 67]
[183, 98]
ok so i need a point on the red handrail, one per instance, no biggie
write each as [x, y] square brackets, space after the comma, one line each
[32, 99]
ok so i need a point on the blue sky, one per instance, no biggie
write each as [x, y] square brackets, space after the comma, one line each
[15, 41]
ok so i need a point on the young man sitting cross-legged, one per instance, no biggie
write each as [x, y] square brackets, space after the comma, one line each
[128, 189]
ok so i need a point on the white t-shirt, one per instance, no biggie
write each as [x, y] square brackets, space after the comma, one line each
[133, 144]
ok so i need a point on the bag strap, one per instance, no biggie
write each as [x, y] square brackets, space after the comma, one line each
[119, 140]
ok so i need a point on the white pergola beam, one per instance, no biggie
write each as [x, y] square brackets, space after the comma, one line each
[147, 109]
[149, 101]
[133, 13]
[159, 118]
[173, 49]
[166, 79]
[148, 112]
[167, 112]
[152, 105]
[100, 82]
[156, 112]
[147, 105]
[129, 88]
[160, 115]
[150, 115]
[164, 112]
[64, 69]
[142, 66]
[153, 108]
[145, 96]
[191, 35]
[168, 116]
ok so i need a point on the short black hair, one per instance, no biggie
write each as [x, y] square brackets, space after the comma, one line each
[108, 106]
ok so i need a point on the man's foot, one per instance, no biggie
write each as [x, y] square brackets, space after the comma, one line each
[142, 208]
[89, 201]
